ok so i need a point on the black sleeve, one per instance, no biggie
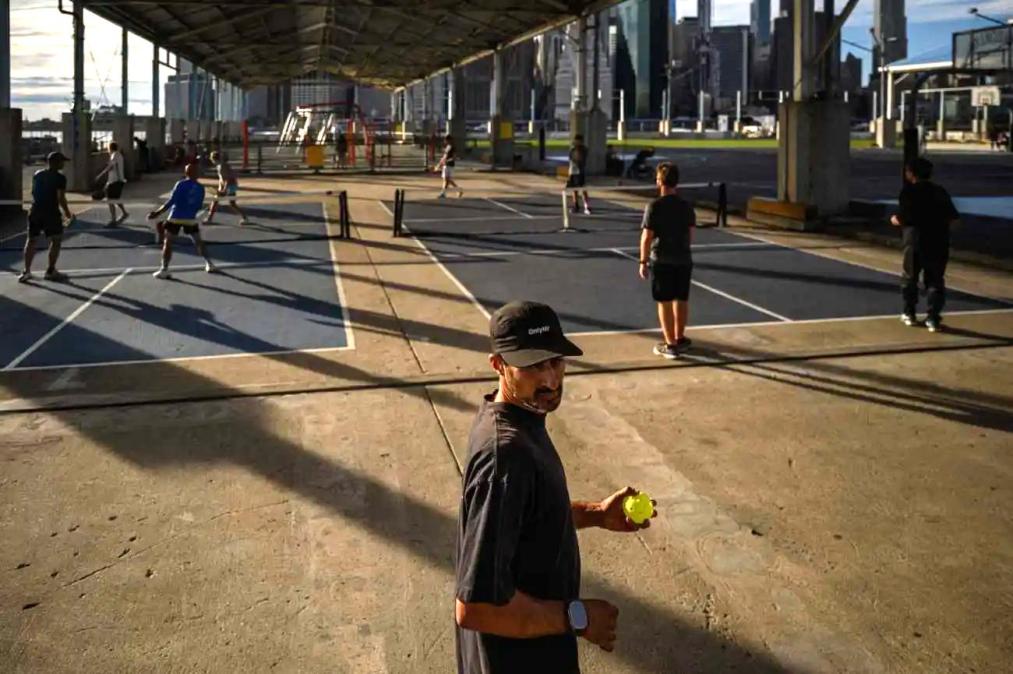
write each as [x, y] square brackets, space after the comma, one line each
[648, 221]
[498, 493]
[907, 206]
[948, 210]
[61, 182]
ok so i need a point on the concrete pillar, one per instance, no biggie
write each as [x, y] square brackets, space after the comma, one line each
[156, 89]
[123, 135]
[502, 131]
[177, 131]
[941, 122]
[124, 74]
[701, 123]
[621, 124]
[812, 156]
[457, 122]
[5, 57]
[11, 164]
[738, 112]
[889, 96]
[76, 132]
[802, 48]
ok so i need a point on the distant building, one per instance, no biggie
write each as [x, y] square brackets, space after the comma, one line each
[189, 94]
[268, 106]
[685, 66]
[851, 74]
[641, 54]
[782, 52]
[730, 49]
[889, 25]
[759, 21]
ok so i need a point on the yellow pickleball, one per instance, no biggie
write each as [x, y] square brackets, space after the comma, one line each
[638, 508]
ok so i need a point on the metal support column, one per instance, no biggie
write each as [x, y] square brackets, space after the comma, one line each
[124, 74]
[802, 33]
[155, 88]
[5, 54]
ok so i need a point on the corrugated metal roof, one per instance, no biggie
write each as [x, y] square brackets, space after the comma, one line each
[381, 42]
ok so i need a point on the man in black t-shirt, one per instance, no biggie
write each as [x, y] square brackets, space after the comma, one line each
[518, 562]
[49, 197]
[665, 241]
[926, 215]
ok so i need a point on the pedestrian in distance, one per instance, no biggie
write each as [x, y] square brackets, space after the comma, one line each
[341, 142]
[665, 255]
[578, 173]
[445, 167]
[228, 187]
[185, 202]
[518, 605]
[925, 217]
[116, 177]
[49, 197]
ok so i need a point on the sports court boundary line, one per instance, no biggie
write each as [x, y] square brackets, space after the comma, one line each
[294, 261]
[603, 249]
[764, 324]
[346, 320]
[720, 293]
[65, 322]
[510, 208]
[7, 409]
[810, 251]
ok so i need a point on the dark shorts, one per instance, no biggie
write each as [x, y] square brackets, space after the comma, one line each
[189, 229]
[575, 180]
[670, 282]
[50, 224]
[114, 190]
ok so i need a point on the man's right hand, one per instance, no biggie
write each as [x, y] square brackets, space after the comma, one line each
[601, 623]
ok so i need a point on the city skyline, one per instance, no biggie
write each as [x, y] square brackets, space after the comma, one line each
[42, 48]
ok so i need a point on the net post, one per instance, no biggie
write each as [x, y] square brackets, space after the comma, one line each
[397, 212]
[343, 215]
[260, 159]
[722, 205]
[566, 211]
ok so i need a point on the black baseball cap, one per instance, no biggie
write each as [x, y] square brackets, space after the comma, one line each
[528, 333]
[53, 156]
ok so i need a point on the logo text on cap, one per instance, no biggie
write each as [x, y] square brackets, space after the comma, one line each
[540, 330]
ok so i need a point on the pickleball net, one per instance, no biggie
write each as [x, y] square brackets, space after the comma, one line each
[485, 212]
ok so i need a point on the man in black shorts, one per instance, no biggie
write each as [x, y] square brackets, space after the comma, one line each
[578, 172]
[49, 197]
[518, 607]
[665, 246]
[926, 215]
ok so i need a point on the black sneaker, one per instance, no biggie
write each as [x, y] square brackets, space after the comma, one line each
[934, 323]
[683, 343]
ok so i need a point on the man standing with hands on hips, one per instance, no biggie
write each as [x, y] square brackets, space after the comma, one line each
[518, 606]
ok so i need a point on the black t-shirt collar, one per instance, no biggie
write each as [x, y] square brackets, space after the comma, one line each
[518, 415]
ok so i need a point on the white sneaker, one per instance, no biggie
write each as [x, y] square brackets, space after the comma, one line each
[209, 268]
[587, 211]
[25, 277]
[934, 324]
[244, 222]
[908, 319]
[162, 273]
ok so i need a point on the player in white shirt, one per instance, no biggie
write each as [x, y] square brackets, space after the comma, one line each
[116, 178]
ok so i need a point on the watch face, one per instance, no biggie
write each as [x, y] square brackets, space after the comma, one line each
[578, 615]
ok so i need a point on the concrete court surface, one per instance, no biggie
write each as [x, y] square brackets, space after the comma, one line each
[835, 496]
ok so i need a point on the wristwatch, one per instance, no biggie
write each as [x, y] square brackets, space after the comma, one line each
[576, 615]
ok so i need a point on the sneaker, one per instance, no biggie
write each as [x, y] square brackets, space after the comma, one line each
[53, 275]
[244, 222]
[683, 343]
[122, 218]
[441, 195]
[587, 210]
[460, 193]
[669, 351]
[934, 324]
[112, 223]
[909, 319]
[209, 268]
[162, 273]
[25, 276]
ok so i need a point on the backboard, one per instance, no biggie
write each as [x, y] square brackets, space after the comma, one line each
[987, 49]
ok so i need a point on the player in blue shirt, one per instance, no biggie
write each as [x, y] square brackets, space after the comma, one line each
[185, 202]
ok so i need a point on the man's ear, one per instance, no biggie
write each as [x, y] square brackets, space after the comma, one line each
[496, 361]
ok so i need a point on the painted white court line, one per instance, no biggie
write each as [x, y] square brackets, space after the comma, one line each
[510, 208]
[711, 289]
[863, 265]
[460, 286]
[495, 218]
[154, 360]
[293, 261]
[342, 301]
[604, 249]
[384, 207]
[759, 324]
[67, 321]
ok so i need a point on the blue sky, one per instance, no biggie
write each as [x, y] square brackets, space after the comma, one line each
[42, 48]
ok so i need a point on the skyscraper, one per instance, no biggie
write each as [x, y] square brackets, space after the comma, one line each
[759, 21]
[889, 25]
[641, 53]
[730, 74]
